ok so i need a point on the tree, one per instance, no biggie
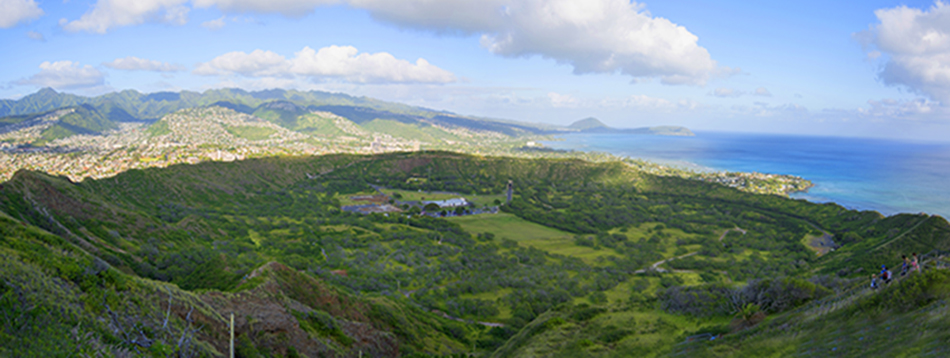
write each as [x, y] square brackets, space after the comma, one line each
[598, 298]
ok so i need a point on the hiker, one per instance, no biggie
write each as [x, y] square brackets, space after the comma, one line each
[905, 265]
[914, 263]
[874, 281]
[885, 274]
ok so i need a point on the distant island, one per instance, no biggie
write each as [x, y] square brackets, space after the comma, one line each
[594, 125]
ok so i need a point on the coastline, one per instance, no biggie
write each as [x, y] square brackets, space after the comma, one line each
[887, 176]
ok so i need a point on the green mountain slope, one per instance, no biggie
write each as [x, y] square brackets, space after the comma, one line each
[588, 259]
[62, 300]
[284, 108]
[587, 123]
[424, 132]
[45, 99]
[282, 113]
[83, 119]
[327, 125]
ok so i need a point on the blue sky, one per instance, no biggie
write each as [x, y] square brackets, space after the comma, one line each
[851, 68]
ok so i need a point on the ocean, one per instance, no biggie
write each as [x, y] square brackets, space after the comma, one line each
[887, 176]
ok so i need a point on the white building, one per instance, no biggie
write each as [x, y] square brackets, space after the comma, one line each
[448, 203]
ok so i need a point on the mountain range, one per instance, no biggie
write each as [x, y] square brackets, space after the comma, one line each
[286, 108]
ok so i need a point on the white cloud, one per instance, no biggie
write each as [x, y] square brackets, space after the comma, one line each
[918, 45]
[644, 101]
[108, 14]
[345, 62]
[593, 36]
[213, 24]
[562, 100]
[133, 63]
[13, 12]
[333, 62]
[258, 63]
[65, 75]
[723, 92]
[763, 109]
[892, 108]
[465, 16]
[638, 102]
[289, 8]
[36, 36]
[261, 83]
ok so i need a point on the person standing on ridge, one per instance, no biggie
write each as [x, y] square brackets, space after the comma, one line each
[905, 265]
[914, 263]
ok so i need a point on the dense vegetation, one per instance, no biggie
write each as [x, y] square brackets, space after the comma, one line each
[565, 271]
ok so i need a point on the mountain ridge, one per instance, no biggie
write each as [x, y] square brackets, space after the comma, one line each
[149, 107]
[594, 125]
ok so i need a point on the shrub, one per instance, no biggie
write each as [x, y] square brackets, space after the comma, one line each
[771, 295]
[584, 241]
[916, 291]
[613, 334]
[587, 313]
[598, 298]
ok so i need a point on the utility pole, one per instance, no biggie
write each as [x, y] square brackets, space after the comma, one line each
[232, 335]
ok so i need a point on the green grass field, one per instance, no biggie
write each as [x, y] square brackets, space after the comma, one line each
[486, 200]
[345, 199]
[408, 195]
[530, 234]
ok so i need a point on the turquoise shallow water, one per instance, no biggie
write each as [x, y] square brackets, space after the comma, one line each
[867, 174]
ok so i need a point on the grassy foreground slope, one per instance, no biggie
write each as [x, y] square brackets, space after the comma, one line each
[581, 262]
[58, 300]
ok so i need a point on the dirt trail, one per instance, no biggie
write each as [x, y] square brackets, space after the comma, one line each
[723, 236]
[822, 244]
[656, 265]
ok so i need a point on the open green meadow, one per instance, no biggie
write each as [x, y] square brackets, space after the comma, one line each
[408, 195]
[529, 234]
